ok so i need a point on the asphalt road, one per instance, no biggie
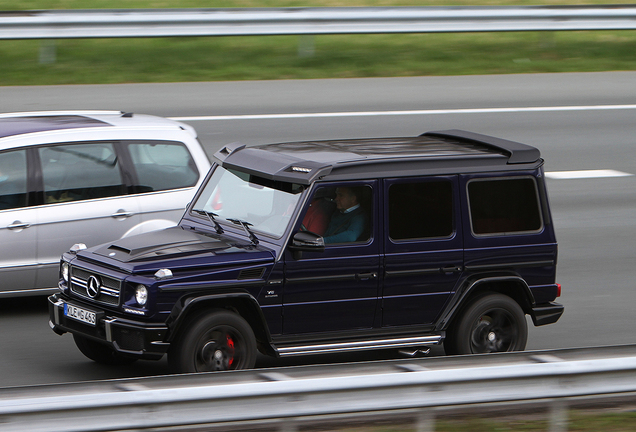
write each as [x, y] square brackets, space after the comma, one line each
[595, 218]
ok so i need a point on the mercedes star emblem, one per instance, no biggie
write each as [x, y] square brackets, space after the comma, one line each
[93, 287]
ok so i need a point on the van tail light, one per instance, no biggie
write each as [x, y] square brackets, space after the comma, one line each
[558, 290]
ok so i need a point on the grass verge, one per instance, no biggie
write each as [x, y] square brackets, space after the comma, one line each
[80, 61]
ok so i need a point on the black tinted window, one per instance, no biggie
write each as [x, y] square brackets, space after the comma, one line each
[504, 206]
[420, 210]
[13, 179]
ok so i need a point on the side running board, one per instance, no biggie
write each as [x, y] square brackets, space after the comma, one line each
[286, 351]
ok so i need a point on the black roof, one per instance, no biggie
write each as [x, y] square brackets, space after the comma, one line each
[439, 152]
[21, 125]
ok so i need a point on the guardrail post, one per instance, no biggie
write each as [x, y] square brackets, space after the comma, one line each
[47, 51]
[306, 46]
[425, 421]
[288, 426]
[558, 416]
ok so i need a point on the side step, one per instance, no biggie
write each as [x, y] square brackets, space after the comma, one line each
[324, 348]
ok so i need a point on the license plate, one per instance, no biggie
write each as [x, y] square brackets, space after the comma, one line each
[80, 314]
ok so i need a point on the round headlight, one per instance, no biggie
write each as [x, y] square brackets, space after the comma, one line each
[141, 295]
[65, 271]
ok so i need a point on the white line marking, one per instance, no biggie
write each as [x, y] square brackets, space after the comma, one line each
[585, 174]
[405, 113]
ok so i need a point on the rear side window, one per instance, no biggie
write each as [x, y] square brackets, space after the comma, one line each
[504, 206]
[80, 171]
[420, 210]
[163, 166]
[13, 179]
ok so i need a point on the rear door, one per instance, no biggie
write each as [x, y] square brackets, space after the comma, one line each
[85, 201]
[423, 248]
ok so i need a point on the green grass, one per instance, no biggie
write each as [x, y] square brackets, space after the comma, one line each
[83, 61]
[579, 421]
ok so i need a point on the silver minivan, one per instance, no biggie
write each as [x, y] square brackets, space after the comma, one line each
[86, 177]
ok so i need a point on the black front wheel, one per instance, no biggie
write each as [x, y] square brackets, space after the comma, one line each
[217, 341]
[492, 323]
[101, 353]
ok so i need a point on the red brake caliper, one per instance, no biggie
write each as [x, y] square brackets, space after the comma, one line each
[230, 346]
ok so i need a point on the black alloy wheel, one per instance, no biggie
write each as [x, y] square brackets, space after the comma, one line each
[492, 323]
[217, 341]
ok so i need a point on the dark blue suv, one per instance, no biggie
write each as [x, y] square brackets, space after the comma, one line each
[328, 246]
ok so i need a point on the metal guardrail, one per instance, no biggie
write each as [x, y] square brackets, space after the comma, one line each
[288, 398]
[127, 23]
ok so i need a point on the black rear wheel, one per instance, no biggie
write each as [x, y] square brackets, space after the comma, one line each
[492, 323]
[214, 342]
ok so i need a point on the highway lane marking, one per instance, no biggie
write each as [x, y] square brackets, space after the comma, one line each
[585, 174]
[406, 112]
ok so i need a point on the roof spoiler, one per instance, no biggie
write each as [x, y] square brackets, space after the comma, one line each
[518, 153]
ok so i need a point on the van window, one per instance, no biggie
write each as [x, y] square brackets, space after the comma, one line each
[13, 179]
[504, 206]
[422, 209]
[80, 171]
[162, 166]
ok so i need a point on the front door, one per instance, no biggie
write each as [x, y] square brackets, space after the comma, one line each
[17, 224]
[336, 289]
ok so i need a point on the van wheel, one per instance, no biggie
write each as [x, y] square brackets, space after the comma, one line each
[215, 342]
[101, 353]
[492, 323]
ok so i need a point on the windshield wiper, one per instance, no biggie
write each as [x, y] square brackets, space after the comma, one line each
[210, 216]
[245, 226]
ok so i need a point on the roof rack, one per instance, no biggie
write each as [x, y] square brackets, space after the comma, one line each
[518, 153]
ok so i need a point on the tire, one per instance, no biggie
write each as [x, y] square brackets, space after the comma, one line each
[491, 323]
[101, 353]
[214, 342]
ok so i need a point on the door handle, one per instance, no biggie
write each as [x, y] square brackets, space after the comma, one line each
[451, 269]
[121, 213]
[366, 276]
[18, 225]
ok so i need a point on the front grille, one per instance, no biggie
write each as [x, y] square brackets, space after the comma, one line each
[109, 287]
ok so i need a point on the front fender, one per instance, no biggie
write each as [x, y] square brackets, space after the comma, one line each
[242, 303]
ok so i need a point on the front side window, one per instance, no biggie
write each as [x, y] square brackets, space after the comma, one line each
[421, 209]
[162, 166]
[13, 179]
[79, 172]
[340, 214]
[266, 205]
[504, 206]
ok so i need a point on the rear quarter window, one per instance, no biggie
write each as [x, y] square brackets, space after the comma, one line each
[504, 206]
[162, 166]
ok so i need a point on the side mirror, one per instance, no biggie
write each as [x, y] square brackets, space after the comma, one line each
[306, 241]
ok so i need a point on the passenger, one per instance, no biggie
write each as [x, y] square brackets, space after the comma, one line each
[349, 220]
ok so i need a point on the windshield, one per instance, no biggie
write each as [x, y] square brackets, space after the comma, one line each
[266, 205]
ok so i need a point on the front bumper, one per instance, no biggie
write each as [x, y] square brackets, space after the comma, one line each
[133, 338]
[546, 313]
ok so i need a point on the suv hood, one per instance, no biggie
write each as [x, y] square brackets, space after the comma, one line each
[170, 243]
